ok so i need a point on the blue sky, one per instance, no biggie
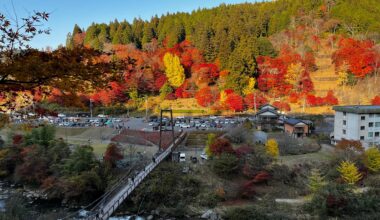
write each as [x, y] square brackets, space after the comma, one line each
[66, 13]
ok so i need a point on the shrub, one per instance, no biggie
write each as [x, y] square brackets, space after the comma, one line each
[210, 140]
[372, 159]
[255, 212]
[238, 135]
[245, 214]
[220, 146]
[256, 162]
[339, 200]
[272, 148]
[225, 165]
[316, 181]
[372, 181]
[293, 146]
[352, 145]
[209, 199]
[112, 155]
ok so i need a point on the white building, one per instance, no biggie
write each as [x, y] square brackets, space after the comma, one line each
[357, 122]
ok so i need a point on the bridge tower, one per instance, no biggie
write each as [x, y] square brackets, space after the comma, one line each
[170, 123]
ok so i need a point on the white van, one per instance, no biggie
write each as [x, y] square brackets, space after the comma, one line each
[182, 157]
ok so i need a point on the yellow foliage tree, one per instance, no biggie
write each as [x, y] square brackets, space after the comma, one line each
[293, 73]
[210, 140]
[250, 87]
[349, 172]
[174, 70]
[272, 148]
[342, 78]
[372, 159]
[223, 96]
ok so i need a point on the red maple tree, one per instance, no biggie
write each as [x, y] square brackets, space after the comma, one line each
[234, 102]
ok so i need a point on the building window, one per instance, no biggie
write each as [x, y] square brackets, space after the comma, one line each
[344, 131]
[344, 122]
[370, 124]
[370, 134]
[362, 128]
[371, 115]
[362, 118]
[377, 124]
[362, 138]
[344, 113]
[377, 134]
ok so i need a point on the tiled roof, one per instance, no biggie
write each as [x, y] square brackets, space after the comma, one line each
[267, 105]
[358, 109]
[267, 110]
[293, 121]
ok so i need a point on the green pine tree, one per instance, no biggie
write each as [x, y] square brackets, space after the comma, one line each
[316, 181]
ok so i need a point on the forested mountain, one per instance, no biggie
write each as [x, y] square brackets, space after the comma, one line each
[219, 31]
[269, 50]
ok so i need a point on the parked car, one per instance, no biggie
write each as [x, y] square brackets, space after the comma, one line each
[194, 159]
[182, 157]
[204, 156]
[185, 125]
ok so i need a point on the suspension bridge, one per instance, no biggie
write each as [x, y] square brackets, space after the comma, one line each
[112, 200]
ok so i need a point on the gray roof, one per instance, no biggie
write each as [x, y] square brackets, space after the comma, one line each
[358, 109]
[293, 121]
[262, 106]
[267, 110]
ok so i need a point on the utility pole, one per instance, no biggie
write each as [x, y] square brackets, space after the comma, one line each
[146, 108]
[91, 108]
[304, 103]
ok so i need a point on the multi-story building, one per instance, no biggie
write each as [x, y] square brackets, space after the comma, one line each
[357, 122]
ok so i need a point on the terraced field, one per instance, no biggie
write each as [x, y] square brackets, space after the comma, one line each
[324, 78]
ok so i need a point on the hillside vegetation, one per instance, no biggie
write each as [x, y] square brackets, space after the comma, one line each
[298, 55]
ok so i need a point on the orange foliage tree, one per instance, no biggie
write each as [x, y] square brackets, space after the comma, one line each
[221, 145]
[112, 155]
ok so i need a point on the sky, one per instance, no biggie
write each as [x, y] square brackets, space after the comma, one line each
[66, 13]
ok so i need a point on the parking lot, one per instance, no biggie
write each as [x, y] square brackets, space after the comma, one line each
[153, 122]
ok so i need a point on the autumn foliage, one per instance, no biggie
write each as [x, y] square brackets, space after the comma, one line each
[221, 145]
[272, 148]
[205, 97]
[112, 155]
[329, 99]
[353, 145]
[359, 55]
[283, 106]
[234, 102]
[376, 100]
[250, 99]
[349, 172]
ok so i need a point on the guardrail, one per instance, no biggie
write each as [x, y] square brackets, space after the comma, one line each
[106, 207]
